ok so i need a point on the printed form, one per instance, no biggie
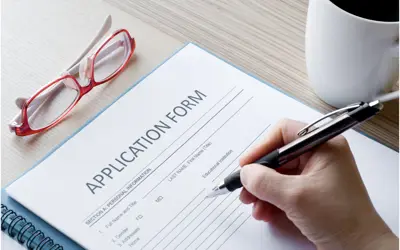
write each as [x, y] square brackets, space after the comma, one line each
[136, 176]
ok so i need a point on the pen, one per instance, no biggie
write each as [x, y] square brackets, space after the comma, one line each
[309, 138]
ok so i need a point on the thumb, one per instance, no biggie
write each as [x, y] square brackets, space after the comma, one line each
[268, 185]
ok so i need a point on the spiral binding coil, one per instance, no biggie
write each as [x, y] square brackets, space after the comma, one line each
[17, 227]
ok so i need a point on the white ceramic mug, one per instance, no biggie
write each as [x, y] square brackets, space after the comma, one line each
[349, 58]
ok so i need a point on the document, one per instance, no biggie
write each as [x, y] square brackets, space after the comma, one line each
[137, 175]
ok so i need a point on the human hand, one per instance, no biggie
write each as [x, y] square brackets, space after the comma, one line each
[321, 192]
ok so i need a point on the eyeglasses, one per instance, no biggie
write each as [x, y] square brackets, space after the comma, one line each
[51, 103]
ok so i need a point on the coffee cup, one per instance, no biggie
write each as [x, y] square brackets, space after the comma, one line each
[352, 49]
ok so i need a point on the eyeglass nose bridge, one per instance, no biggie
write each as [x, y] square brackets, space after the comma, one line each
[89, 68]
[86, 76]
[86, 72]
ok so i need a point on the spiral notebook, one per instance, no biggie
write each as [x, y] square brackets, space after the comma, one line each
[136, 175]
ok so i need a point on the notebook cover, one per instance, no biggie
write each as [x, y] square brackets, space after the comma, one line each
[38, 223]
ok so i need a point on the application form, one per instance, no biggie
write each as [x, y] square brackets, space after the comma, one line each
[136, 176]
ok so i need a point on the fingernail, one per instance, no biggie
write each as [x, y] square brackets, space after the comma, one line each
[244, 155]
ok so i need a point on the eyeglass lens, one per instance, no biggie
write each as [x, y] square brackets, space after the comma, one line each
[52, 103]
[112, 57]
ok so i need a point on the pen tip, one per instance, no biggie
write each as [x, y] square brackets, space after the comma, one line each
[217, 191]
[211, 193]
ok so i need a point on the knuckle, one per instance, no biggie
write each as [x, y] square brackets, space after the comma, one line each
[259, 185]
[296, 197]
[341, 140]
[286, 124]
[341, 143]
[283, 122]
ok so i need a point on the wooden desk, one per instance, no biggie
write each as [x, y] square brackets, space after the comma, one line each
[264, 38]
[41, 38]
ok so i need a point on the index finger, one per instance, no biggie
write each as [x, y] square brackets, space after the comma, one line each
[282, 133]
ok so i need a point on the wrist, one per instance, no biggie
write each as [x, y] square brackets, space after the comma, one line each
[386, 241]
[373, 235]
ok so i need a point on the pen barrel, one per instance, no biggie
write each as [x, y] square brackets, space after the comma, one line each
[308, 141]
[316, 137]
[233, 181]
[271, 160]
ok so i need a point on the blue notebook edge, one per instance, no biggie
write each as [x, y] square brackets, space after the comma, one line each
[38, 223]
[52, 232]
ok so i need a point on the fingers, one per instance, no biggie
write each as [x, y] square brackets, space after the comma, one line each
[246, 197]
[268, 189]
[264, 211]
[266, 184]
[260, 210]
[282, 133]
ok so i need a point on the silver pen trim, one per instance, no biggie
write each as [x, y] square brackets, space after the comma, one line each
[309, 138]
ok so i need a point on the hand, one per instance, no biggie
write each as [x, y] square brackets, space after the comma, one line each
[321, 192]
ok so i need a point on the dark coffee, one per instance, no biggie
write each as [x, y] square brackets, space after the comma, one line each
[378, 10]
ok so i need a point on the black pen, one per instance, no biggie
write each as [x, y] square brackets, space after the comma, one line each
[309, 138]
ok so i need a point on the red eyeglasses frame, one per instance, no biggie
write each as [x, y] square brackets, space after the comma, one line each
[24, 129]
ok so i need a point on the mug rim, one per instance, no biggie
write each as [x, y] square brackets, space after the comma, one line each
[362, 18]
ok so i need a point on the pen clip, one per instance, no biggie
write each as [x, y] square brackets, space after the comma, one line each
[307, 129]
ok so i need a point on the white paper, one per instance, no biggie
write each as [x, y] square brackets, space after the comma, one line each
[157, 200]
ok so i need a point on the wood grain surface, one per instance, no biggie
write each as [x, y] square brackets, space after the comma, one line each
[42, 37]
[39, 40]
[263, 38]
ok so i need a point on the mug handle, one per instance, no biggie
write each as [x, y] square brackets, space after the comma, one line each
[395, 94]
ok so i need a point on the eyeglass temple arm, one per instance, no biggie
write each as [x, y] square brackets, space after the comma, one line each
[73, 69]
[103, 53]
[103, 30]
[38, 102]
